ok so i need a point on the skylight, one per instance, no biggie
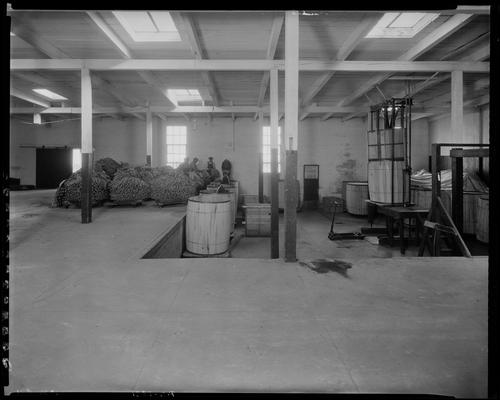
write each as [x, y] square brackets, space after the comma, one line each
[401, 25]
[49, 94]
[148, 26]
[184, 95]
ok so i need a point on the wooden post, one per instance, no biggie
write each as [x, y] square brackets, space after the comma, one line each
[86, 126]
[436, 184]
[291, 131]
[457, 198]
[457, 106]
[274, 165]
[149, 137]
[260, 169]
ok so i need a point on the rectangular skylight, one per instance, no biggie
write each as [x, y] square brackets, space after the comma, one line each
[148, 26]
[49, 94]
[401, 25]
[184, 95]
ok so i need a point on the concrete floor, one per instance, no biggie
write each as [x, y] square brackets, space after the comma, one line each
[313, 242]
[87, 314]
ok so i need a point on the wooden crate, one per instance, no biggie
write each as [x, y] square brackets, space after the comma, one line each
[257, 219]
[250, 198]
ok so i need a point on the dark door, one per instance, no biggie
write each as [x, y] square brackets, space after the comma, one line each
[311, 185]
[52, 166]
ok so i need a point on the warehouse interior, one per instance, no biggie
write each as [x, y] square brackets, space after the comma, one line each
[211, 201]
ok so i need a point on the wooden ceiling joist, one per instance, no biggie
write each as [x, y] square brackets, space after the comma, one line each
[429, 41]
[270, 53]
[349, 45]
[191, 36]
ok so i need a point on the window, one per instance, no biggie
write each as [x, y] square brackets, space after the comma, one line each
[176, 145]
[77, 160]
[184, 95]
[401, 25]
[266, 148]
[148, 26]
[49, 94]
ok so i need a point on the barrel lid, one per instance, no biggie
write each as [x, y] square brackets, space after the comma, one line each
[210, 198]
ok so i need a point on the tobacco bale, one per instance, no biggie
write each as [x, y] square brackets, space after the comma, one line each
[129, 188]
[169, 189]
[73, 187]
[108, 165]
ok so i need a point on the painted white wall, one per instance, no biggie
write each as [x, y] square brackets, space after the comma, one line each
[476, 130]
[338, 147]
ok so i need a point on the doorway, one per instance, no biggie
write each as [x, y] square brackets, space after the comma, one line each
[52, 166]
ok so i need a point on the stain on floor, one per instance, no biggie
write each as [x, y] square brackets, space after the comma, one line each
[323, 266]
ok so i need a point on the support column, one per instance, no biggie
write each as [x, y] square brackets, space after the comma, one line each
[457, 106]
[457, 210]
[260, 169]
[149, 137]
[86, 126]
[291, 131]
[274, 165]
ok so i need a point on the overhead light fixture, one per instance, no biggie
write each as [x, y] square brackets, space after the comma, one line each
[37, 118]
[148, 26]
[401, 25]
[49, 94]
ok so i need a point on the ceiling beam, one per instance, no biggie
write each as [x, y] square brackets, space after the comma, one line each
[436, 36]
[348, 46]
[481, 83]
[109, 33]
[190, 35]
[272, 45]
[248, 65]
[28, 97]
[34, 39]
[152, 81]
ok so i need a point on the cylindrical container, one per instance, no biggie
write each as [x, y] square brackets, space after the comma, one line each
[482, 224]
[356, 194]
[233, 191]
[208, 223]
[380, 181]
[229, 196]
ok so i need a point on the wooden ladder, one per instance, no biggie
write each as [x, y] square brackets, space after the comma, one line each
[434, 226]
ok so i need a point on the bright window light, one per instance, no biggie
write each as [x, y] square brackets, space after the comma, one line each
[266, 148]
[176, 145]
[49, 94]
[148, 26]
[77, 160]
[184, 95]
[401, 25]
[12, 34]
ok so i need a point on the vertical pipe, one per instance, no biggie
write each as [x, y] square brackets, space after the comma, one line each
[86, 126]
[274, 164]
[291, 131]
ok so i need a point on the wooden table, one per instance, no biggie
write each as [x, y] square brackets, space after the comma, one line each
[400, 213]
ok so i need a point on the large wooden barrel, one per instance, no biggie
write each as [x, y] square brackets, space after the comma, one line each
[482, 220]
[356, 194]
[208, 224]
[380, 181]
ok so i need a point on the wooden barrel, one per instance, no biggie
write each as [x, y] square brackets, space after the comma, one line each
[230, 196]
[208, 224]
[356, 194]
[482, 220]
[380, 181]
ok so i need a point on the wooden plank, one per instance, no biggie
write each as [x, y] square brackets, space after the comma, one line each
[457, 106]
[436, 184]
[457, 197]
[446, 217]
